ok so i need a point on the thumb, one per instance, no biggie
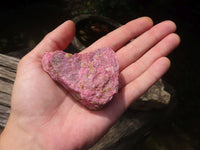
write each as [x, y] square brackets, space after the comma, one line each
[58, 39]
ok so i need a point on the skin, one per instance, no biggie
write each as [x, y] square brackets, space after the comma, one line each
[44, 116]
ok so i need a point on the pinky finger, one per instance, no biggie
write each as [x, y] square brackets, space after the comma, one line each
[140, 85]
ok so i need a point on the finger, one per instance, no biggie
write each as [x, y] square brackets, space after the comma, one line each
[137, 87]
[163, 48]
[58, 39]
[141, 44]
[123, 34]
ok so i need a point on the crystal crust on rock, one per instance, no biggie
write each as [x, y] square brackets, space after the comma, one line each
[91, 78]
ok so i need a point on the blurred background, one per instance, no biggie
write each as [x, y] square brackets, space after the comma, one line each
[23, 23]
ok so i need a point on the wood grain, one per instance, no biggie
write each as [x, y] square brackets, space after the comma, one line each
[8, 66]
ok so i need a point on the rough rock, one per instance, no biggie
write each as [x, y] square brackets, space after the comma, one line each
[91, 78]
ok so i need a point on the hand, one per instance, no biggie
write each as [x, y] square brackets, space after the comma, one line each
[45, 116]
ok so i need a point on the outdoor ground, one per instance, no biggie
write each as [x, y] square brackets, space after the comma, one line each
[24, 24]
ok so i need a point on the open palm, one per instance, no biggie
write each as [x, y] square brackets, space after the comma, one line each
[47, 112]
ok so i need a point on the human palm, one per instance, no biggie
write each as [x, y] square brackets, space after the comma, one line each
[46, 111]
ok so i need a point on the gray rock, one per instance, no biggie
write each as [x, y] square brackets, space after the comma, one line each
[155, 98]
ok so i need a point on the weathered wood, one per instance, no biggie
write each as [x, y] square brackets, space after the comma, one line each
[8, 67]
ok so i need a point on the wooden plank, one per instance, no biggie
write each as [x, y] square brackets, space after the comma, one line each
[5, 86]
[5, 99]
[8, 66]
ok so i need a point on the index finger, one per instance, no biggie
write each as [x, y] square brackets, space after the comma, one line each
[119, 37]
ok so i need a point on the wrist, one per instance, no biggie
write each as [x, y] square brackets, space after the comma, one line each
[15, 137]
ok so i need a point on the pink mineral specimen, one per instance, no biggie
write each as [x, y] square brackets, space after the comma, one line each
[91, 78]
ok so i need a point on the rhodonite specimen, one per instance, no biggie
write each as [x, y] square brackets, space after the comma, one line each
[91, 78]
